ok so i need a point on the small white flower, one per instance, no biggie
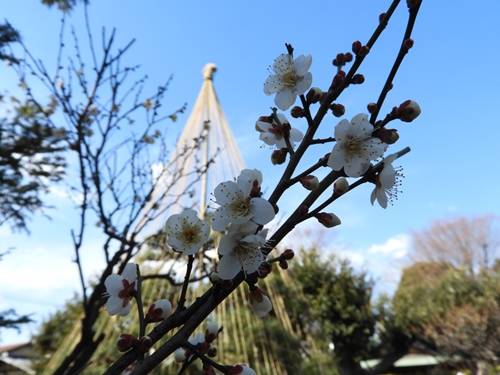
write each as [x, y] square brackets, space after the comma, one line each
[273, 133]
[238, 203]
[240, 250]
[186, 232]
[355, 146]
[120, 290]
[259, 302]
[385, 185]
[290, 78]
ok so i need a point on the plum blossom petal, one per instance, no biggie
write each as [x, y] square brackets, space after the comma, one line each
[239, 202]
[120, 290]
[240, 250]
[275, 134]
[259, 302]
[291, 78]
[386, 183]
[186, 232]
[355, 146]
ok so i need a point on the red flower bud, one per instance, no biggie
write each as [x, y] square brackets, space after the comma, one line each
[338, 110]
[356, 46]
[125, 342]
[314, 95]
[283, 264]
[409, 111]
[372, 107]
[145, 343]
[357, 79]
[297, 112]
[329, 220]
[279, 156]
[288, 254]
[310, 182]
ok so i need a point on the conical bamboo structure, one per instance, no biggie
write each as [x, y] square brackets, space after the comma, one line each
[263, 343]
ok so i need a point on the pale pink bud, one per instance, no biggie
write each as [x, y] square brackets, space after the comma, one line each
[159, 311]
[215, 278]
[241, 370]
[125, 342]
[259, 301]
[314, 95]
[180, 355]
[341, 186]
[409, 111]
[310, 182]
[329, 220]
[211, 331]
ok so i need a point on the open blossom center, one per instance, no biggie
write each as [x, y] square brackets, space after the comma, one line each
[290, 79]
[190, 234]
[353, 145]
[240, 207]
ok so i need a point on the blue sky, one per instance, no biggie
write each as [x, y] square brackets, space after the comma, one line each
[452, 72]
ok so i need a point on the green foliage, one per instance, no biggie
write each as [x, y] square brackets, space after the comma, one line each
[454, 312]
[30, 160]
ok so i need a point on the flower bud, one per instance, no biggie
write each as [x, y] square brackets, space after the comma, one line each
[408, 43]
[357, 79]
[159, 311]
[283, 264]
[214, 278]
[279, 156]
[329, 220]
[264, 269]
[145, 343]
[364, 51]
[381, 17]
[341, 186]
[304, 210]
[338, 110]
[259, 301]
[212, 352]
[288, 254]
[180, 355]
[310, 182]
[297, 112]
[348, 57]
[356, 46]
[389, 136]
[372, 107]
[314, 95]
[125, 342]
[241, 370]
[338, 78]
[211, 332]
[409, 111]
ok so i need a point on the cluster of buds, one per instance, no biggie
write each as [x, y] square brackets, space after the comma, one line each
[342, 59]
[202, 342]
[287, 255]
[126, 342]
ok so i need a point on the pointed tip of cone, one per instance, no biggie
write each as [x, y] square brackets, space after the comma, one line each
[209, 70]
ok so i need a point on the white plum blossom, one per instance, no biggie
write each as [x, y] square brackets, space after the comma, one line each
[273, 133]
[385, 182]
[259, 302]
[355, 146]
[239, 203]
[290, 78]
[186, 233]
[240, 250]
[120, 290]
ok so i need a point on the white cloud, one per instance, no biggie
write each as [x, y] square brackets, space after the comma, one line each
[397, 246]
